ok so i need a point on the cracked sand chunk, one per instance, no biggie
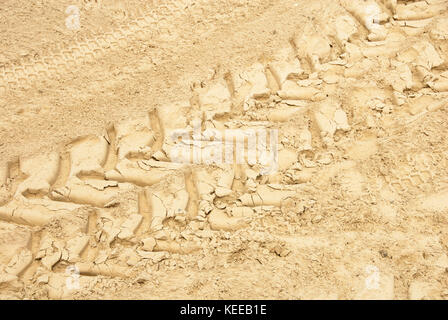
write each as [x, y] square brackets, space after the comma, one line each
[25, 213]
[39, 212]
[103, 269]
[297, 177]
[148, 164]
[293, 206]
[51, 259]
[345, 27]
[386, 48]
[310, 82]
[304, 140]
[215, 100]
[331, 78]
[266, 195]
[286, 158]
[176, 125]
[205, 207]
[219, 220]
[49, 246]
[41, 172]
[208, 180]
[184, 247]
[285, 66]
[162, 234]
[370, 15]
[87, 156]
[148, 244]
[252, 83]
[292, 91]
[134, 138]
[358, 70]
[242, 212]
[428, 57]
[129, 226]
[159, 156]
[329, 118]
[222, 192]
[326, 126]
[418, 10]
[377, 34]
[154, 257]
[174, 116]
[401, 78]
[415, 27]
[398, 98]
[340, 118]
[440, 85]
[100, 185]
[168, 199]
[102, 256]
[206, 147]
[317, 48]
[440, 30]
[159, 212]
[424, 103]
[12, 239]
[9, 281]
[138, 173]
[19, 262]
[352, 54]
[77, 191]
[226, 177]
[284, 114]
[423, 56]
[75, 246]
[109, 228]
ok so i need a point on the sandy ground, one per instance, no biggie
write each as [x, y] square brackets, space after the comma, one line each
[93, 205]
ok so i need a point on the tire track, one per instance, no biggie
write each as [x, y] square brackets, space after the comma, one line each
[103, 180]
[65, 60]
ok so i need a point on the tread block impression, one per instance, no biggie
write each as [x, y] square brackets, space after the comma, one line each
[41, 172]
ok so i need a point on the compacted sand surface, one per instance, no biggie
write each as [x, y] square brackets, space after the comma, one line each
[225, 149]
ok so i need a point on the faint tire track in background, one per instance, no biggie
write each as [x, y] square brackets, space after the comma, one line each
[23, 74]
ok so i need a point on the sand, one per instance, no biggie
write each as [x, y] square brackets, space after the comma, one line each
[129, 163]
